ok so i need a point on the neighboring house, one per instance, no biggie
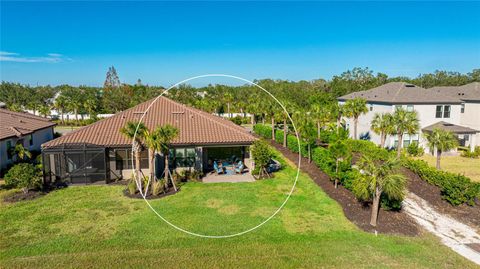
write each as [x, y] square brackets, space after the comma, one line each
[101, 153]
[26, 129]
[440, 107]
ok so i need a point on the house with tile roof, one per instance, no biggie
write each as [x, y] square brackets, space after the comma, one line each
[21, 128]
[456, 109]
[100, 153]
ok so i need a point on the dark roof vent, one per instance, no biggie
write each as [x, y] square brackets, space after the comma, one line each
[447, 124]
[410, 85]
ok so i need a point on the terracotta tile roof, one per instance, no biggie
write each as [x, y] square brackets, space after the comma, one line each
[468, 92]
[17, 124]
[195, 127]
[401, 93]
[450, 127]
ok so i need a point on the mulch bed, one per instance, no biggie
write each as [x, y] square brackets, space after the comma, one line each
[389, 222]
[21, 196]
[432, 194]
[171, 191]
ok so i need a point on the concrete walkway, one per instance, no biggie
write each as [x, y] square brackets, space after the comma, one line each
[213, 178]
[454, 234]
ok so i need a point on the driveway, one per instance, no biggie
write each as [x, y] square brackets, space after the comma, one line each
[461, 238]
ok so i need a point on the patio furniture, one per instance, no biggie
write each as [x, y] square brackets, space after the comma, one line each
[239, 168]
[218, 170]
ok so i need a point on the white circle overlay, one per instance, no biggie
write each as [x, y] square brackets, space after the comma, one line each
[247, 230]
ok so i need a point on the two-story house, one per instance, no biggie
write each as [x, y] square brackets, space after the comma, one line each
[21, 128]
[435, 109]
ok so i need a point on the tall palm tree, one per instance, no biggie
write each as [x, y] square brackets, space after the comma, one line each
[228, 98]
[354, 108]
[378, 179]
[382, 124]
[135, 131]
[404, 122]
[160, 141]
[440, 141]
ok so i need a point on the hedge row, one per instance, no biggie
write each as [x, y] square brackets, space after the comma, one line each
[265, 131]
[456, 189]
[368, 148]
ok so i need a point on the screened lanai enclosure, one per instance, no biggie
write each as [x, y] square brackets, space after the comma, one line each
[76, 163]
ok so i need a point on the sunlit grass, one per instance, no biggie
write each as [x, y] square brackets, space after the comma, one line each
[96, 226]
[457, 164]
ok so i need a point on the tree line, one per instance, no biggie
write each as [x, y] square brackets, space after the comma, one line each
[311, 96]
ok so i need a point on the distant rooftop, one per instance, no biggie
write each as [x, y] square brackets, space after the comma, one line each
[450, 127]
[468, 92]
[402, 93]
[17, 124]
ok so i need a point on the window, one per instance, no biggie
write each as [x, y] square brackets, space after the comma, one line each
[446, 111]
[9, 149]
[183, 157]
[30, 140]
[371, 107]
[462, 108]
[439, 112]
[123, 159]
[409, 108]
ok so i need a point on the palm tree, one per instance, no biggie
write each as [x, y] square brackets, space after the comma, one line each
[382, 124]
[160, 141]
[61, 104]
[354, 108]
[378, 179]
[228, 98]
[339, 151]
[21, 152]
[135, 131]
[440, 141]
[404, 122]
[44, 110]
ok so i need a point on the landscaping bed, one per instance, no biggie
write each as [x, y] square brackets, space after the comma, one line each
[432, 194]
[149, 197]
[18, 196]
[389, 222]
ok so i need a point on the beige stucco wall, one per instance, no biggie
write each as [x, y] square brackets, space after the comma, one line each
[471, 118]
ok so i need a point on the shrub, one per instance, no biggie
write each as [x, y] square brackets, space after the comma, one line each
[468, 154]
[132, 187]
[368, 148]
[158, 187]
[237, 120]
[263, 130]
[25, 176]
[456, 189]
[261, 154]
[414, 149]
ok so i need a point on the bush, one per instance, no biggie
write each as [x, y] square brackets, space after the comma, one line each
[158, 187]
[468, 154]
[456, 189]
[368, 148]
[263, 130]
[132, 187]
[239, 120]
[261, 154]
[415, 150]
[25, 176]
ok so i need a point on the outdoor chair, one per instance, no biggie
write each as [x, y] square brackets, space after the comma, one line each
[218, 170]
[239, 168]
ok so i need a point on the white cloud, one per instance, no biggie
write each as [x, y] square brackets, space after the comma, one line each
[6, 56]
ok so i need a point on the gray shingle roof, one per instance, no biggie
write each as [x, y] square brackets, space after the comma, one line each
[450, 127]
[401, 93]
[468, 92]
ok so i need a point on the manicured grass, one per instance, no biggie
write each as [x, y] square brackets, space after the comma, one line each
[457, 164]
[96, 226]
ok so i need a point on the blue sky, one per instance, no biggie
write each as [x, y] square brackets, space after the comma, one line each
[162, 43]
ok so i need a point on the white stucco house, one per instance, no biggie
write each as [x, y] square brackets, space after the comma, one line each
[17, 127]
[456, 109]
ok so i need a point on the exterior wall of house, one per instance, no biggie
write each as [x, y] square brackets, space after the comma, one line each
[426, 115]
[39, 137]
[471, 118]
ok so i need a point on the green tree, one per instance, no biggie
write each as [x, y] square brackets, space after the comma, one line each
[160, 140]
[134, 131]
[379, 178]
[24, 176]
[339, 151]
[382, 124]
[261, 154]
[441, 141]
[354, 108]
[21, 152]
[405, 122]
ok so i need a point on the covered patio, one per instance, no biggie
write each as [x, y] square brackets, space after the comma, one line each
[235, 178]
[465, 135]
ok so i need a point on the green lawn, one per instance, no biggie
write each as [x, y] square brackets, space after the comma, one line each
[457, 164]
[96, 226]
